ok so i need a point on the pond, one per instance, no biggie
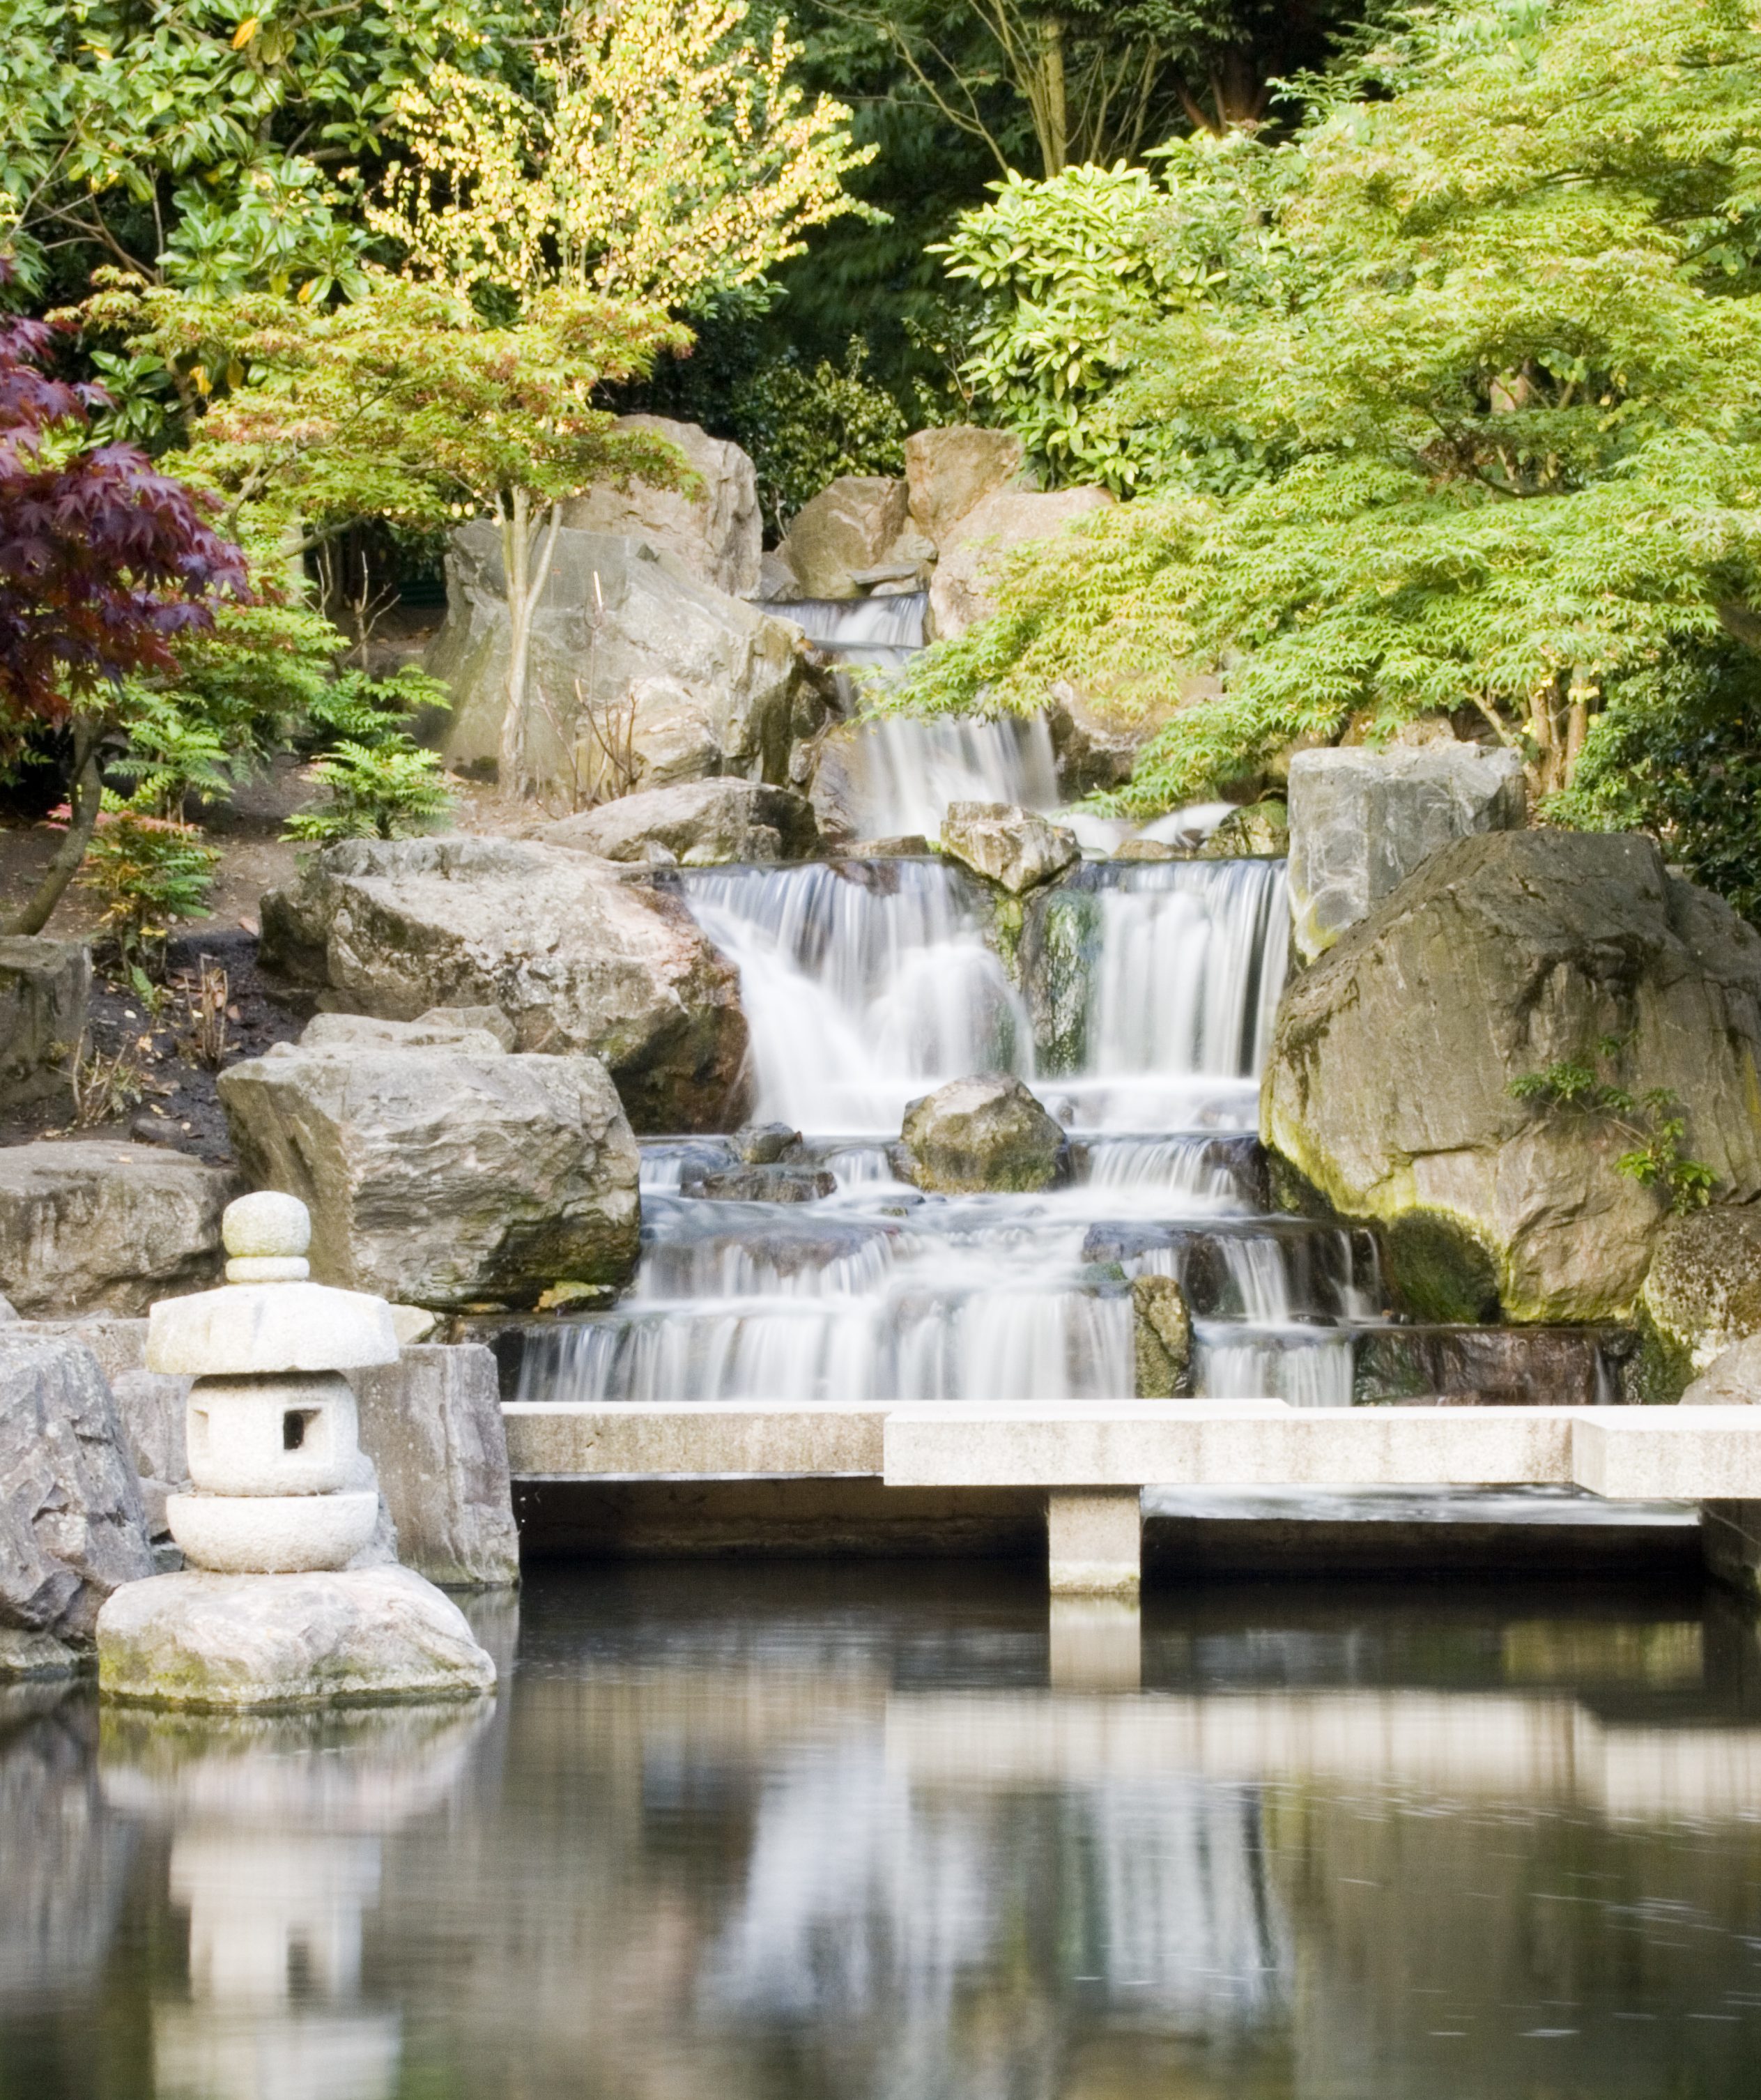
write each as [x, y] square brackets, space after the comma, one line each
[790, 1832]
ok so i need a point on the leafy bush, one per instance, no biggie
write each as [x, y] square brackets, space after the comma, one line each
[145, 871]
[804, 430]
[378, 782]
[1677, 754]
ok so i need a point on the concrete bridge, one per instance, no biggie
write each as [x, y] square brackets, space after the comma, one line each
[1090, 1461]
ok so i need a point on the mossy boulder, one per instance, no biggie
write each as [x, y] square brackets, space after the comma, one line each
[986, 1135]
[1389, 1088]
[1701, 1296]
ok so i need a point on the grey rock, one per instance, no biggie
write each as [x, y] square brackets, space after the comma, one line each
[472, 1019]
[1388, 1084]
[34, 1655]
[1162, 1330]
[1702, 1292]
[987, 1133]
[1091, 751]
[444, 1180]
[639, 674]
[1261, 831]
[963, 591]
[577, 956]
[765, 1143]
[359, 1031]
[778, 583]
[1361, 821]
[1014, 848]
[1732, 1380]
[848, 527]
[431, 1424]
[701, 824]
[762, 1185]
[232, 1641]
[717, 532]
[92, 1225]
[949, 473]
[44, 988]
[72, 1525]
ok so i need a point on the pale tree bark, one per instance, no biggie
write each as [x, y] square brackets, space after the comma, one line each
[528, 543]
[85, 800]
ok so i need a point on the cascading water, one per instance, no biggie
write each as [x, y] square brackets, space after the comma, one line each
[1139, 1007]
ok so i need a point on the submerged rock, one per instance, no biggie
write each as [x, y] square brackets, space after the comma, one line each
[700, 823]
[44, 988]
[1361, 821]
[441, 1178]
[72, 1528]
[92, 1225]
[1014, 848]
[578, 957]
[979, 1135]
[1162, 1328]
[762, 1184]
[1389, 1085]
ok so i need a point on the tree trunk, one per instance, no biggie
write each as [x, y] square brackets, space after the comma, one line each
[526, 565]
[85, 799]
[1055, 144]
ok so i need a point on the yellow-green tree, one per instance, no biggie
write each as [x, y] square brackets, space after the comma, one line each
[663, 156]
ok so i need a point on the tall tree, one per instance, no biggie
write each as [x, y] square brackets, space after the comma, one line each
[1488, 392]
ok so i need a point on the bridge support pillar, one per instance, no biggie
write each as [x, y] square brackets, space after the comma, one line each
[1730, 1543]
[1094, 1542]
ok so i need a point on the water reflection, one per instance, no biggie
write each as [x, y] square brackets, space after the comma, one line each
[782, 1833]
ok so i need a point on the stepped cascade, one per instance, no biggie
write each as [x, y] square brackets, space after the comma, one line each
[1137, 1002]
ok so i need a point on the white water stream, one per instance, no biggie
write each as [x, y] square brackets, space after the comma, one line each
[1139, 1011]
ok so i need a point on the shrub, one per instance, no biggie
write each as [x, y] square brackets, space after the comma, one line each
[145, 871]
[804, 429]
[378, 782]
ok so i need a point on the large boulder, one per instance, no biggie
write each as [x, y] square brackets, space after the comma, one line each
[431, 1424]
[1388, 1086]
[44, 987]
[962, 591]
[72, 1525]
[979, 1135]
[700, 823]
[1014, 848]
[577, 956]
[950, 472]
[1732, 1379]
[440, 1178]
[843, 540]
[89, 1225]
[1361, 821]
[1702, 1292]
[717, 531]
[639, 673]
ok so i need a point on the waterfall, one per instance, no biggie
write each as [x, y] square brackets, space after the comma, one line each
[904, 772]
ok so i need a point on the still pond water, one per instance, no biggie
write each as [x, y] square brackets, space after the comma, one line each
[801, 1834]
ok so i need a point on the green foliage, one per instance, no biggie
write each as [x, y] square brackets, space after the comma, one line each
[377, 781]
[1677, 754]
[1492, 375]
[198, 139]
[1655, 1121]
[146, 871]
[805, 429]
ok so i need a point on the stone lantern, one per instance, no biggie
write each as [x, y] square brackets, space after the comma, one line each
[269, 1611]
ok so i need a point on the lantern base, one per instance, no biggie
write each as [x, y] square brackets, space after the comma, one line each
[229, 1642]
